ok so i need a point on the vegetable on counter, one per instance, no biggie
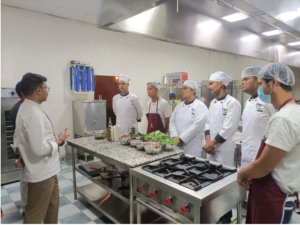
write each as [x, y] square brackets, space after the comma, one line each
[156, 136]
[139, 135]
[169, 141]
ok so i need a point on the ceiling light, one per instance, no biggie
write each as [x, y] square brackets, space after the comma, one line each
[235, 17]
[209, 24]
[249, 38]
[287, 16]
[294, 43]
[272, 32]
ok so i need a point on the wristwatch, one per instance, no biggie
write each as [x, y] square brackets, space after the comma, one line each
[63, 142]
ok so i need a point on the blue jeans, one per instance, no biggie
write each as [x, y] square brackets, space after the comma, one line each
[288, 212]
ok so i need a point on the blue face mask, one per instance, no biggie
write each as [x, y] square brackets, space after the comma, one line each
[262, 96]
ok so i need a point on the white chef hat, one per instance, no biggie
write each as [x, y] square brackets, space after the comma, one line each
[155, 84]
[281, 72]
[251, 71]
[221, 76]
[192, 84]
[125, 78]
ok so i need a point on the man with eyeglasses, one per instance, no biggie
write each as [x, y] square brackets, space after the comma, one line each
[39, 149]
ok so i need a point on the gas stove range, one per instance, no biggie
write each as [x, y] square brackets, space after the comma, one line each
[187, 188]
[190, 172]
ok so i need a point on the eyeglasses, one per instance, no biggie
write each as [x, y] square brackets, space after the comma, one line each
[48, 88]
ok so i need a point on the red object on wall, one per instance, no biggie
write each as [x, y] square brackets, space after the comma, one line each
[107, 86]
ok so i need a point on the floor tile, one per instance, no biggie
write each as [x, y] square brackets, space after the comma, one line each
[103, 220]
[12, 217]
[18, 204]
[78, 218]
[66, 190]
[65, 183]
[10, 207]
[92, 222]
[84, 183]
[6, 199]
[63, 201]
[65, 166]
[60, 177]
[13, 190]
[66, 170]
[70, 175]
[2, 187]
[16, 197]
[12, 185]
[67, 210]
[82, 204]
[92, 214]
[99, 221]
[60, 195]
[19, 222]
[79, 179]
[70, 197]
[3, 192]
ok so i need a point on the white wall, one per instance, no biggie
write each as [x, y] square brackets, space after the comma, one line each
[35, 42]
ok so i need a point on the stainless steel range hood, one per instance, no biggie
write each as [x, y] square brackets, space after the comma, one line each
[198, 23]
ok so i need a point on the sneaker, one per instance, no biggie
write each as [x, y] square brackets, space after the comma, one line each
[244, 214]
[224, 221]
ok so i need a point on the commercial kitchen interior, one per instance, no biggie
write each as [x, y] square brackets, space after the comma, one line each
[145, 39]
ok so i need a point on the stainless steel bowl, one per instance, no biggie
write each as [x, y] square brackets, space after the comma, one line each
[134, 142]
[140, 146]
[124, 141]
[169, 147]
[99, 134]
[139, 138]
[153, 147]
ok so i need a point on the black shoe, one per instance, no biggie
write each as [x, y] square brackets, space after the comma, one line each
[224, 221]
[23, 214]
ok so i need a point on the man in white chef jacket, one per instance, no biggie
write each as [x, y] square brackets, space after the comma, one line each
[127, 107]
[222, 123]
[255, 116]
[187, 123]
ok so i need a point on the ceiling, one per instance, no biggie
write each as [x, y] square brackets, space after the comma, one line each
[80, 10]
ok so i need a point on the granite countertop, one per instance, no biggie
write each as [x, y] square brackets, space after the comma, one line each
[122, 153]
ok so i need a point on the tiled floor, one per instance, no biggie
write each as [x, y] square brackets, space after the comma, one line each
[70, 211]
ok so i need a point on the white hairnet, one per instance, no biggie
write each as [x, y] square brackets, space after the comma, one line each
[251, 71]
[280, 71]
[192, 84]
[221, 76]
[125, 78]
[155, 84]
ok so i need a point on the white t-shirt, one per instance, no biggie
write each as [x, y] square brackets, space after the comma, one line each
[164, 109]
[283, 132]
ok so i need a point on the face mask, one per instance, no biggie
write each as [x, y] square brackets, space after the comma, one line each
[262, 96]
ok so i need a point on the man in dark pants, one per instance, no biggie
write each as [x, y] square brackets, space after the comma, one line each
[15, 109]
[19, 163]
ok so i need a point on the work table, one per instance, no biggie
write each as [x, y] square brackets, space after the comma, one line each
[124, 157]
[123, 154]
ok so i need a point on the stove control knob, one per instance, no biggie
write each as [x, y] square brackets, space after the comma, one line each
[168, 200]
[185, 208]
[140, 188]
[154, 193]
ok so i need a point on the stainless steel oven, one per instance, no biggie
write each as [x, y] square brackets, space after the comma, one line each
[9, 172]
